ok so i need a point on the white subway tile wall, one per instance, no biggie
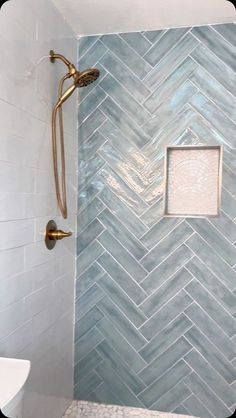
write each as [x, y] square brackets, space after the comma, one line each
[36, 285]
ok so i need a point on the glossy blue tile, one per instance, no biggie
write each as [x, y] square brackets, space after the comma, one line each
[88, 256]
[125, 122]
[89, 126]
[170, 107]
[154, 35]
[112, 380]
[120, 344]
[122, 212]
[124, 99]
[207, 373]
[95, 53]
[89, 213]
[88, 278]
[88, 170]
[122, 234]
[86, 343]
[212, 307]
[85, 43]
[88, 235]
[212, 283]
[227, 31]
[159, 231]
[164, 383]
[127, 148]
[215, 91]
[195, 407]
[173, 398]
[171, 61]
[216, 67]
[155, 296]
[163, 45]
[166, 360]
[169, 335]
[166, 269]
[209, 111]
[87, 300]
[211, 354]
[123, 257]
[137, 41]
[211, 259]
[87, 364]
[121, 300]
[126, 54]
[90, 103]
[179, 76]
[89, 192]
[165, 315]
[88, 148]
[169, 243]
[126, 195]
[119, 320]
[117, 161]
[104, 394]
[217, 44]
[87, 385]
[120, 367]
[215, 239]
[88, 321]
[125, 76]
[229, 178]
[206, 396]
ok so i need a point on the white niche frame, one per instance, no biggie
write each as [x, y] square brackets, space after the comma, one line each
[168, 149]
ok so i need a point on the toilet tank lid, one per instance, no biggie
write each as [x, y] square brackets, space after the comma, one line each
[13, 375]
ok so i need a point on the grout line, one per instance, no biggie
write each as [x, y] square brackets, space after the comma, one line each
[221, 36]
[161, 241]
[126, 319]
[222, 306]
[207, 267]
[164, 306]
[210, 389]
[127, 207]
[213, 53]
[125, 227]
[213, 250]
[208, 315]
[123, 63]
[123, 268]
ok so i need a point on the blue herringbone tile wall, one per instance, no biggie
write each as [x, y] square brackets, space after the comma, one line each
[155, 297]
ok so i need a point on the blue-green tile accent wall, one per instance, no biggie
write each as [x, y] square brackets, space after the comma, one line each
[155, 297]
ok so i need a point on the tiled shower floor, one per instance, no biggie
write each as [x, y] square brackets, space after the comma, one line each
[81, 409]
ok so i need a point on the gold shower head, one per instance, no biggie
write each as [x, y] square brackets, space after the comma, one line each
[81, 79]
[86, 77]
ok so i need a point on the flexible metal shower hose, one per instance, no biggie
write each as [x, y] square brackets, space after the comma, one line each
[60, 191]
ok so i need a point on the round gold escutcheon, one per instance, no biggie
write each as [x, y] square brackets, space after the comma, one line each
[52, 235]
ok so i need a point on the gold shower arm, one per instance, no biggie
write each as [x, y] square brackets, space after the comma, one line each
[70, 66]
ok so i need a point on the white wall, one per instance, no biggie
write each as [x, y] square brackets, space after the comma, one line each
[105, 16]
[36, 285]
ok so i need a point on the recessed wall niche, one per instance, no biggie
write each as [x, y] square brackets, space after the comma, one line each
[193, 177]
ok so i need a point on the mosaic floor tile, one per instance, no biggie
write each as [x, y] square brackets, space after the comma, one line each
[82, 409]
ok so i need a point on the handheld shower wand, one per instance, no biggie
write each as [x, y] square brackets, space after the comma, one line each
[81, 79]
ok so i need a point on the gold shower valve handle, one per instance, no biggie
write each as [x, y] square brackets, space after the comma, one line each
[53, 235]
[58, 234]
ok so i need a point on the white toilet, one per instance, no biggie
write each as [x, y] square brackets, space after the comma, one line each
[13, 376]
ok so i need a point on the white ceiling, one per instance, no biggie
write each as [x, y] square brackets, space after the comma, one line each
[88, 17]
